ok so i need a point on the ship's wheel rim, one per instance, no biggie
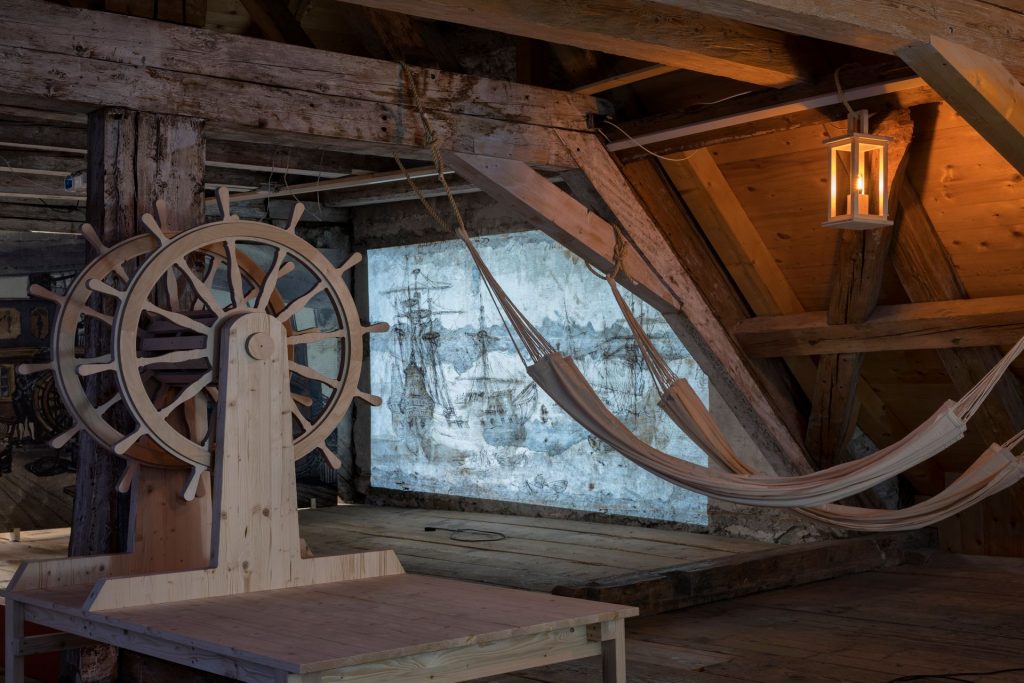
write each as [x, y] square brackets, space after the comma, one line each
[130, 311]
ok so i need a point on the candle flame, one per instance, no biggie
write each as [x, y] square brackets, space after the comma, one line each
[860, 184]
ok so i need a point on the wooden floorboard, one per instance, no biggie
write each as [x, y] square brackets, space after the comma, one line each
[534, 553]
[954, 614]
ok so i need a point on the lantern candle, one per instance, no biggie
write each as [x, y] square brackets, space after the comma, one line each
[862, 199]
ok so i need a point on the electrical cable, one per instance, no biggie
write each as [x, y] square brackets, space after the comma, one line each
[454, 533]
[638, 144]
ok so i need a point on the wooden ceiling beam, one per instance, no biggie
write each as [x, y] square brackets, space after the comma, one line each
[891, 86]
[624, 79]
[979, 88]
[639, 29]
[28, 254]
[939, 324]
[742, 251]
[992, 28]
[690, 247]
[294, 94]
[694, 321]
[20, 140]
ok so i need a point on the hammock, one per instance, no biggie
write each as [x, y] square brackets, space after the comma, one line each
[559, 377]
[995, 470]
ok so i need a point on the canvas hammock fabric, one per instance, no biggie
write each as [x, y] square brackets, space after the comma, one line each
[559, 377]
[995, 470]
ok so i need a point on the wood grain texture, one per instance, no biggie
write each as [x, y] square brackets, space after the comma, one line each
[926, 273]
[979, 88]
[859, 268]
[956, 323]
[342, 101]
[696, 323]
[992, 28]
[255, 544]
[405, 623]
[639, 29]
[736, 241]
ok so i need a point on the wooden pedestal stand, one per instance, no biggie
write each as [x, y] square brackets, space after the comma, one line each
[259, 612]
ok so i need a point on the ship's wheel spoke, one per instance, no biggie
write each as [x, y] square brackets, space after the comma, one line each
[97, 315]
[176, 357]
[303, 421]
[270, 281]
[203, 291]
[235, 274]
[285, 268]
[178, 319]
[300, 303]
[197, 418]
[216, 262]
[113, 401]
[173, 291]
[187, 393]
[309, 336]
[310, 373]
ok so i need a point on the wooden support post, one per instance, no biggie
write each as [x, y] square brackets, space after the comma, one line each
[861, 259]
[134, 159]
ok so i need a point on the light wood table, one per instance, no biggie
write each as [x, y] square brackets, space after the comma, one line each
[397, 628]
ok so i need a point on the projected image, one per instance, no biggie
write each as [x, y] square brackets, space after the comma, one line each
[461, 416]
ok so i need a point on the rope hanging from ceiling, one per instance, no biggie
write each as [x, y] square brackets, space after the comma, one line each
[812, 494]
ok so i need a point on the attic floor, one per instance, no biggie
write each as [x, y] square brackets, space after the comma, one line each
[522, 552]
[954, 614]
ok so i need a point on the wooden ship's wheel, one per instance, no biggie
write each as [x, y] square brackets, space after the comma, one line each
[234, 348]
[173, 292]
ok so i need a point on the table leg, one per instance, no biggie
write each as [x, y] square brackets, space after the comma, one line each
[612, 635]
[14, 629]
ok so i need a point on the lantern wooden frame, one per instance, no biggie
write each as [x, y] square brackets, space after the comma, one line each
[866, 176]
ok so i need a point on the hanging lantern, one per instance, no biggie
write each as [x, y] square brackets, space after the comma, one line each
[858, 178]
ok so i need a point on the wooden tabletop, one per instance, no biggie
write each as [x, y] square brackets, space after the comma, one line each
[352, 622]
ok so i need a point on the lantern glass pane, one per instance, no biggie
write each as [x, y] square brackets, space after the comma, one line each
[842, 162]
[870, 180]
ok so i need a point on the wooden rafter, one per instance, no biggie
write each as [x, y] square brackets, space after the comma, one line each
[979, 88]
[691, 249]
[633, 28]
[992, 28]
[337, 101]
[666, 286]
[744, 254]
[713, 347]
